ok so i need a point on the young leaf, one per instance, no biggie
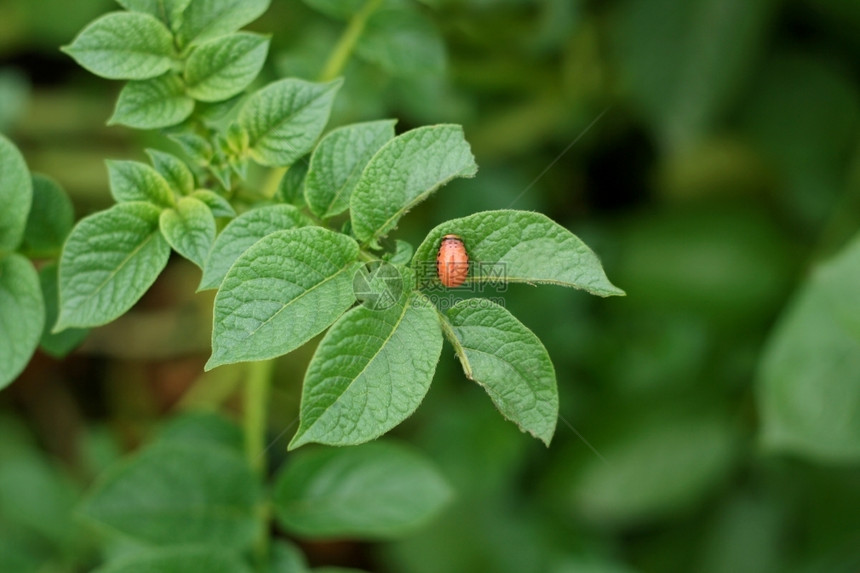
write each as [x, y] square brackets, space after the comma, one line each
[241, 233]
[223, 67]
[110, 259]
[124, 46]
[179, 493]
[287, 558]
[403, 42]
[284, 119]
[509, 361]
[22, 314]
[369, 373]
[61, 343]
[135, 181]
[809, 380]
[205, 19]
[337, 163]
[518, 246]
[177, 174]
[291, 188]
[153, 104]
[403, 173]
[189, 228]
[50, 220]
[219, 206]
[381, 490]
[16, 195]
[190, 559]
[284, 290]
[168, 11]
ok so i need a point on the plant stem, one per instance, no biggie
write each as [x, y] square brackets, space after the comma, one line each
[345, 46]
[256, 400]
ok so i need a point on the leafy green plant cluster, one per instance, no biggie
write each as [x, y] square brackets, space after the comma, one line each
[284, 260]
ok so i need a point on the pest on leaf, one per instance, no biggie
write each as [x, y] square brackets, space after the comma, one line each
[452, 262]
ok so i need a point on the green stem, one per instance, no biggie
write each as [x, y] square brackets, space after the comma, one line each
[256, 401]
[345, 46]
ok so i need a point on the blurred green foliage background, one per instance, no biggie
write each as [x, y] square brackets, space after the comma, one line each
[707, 150]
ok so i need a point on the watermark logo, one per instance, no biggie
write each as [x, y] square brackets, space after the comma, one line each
[378, 285]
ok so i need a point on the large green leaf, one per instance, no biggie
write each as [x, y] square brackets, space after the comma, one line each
[337, 163]
[684, 61]
[284, 119]
[403, 42]
[403, 173]
[16, 195]
[379, 490]
[135, 181]
[223, 67]
[509, 361]
[241, 233]
[281, 292]
[22, 314]
[653, 465]
[191, 559]
[189, 228]
[124, 45]
[153, 103]
[517, 246]
[110, 259]
[809, 381]
[179, 493]
[50, 219]
[369, 373]
[204, 19]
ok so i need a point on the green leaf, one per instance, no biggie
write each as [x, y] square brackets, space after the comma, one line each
[110, 259]
[190, 229]
[61, 343]
[337, 163]
[135, 181]
[402, 253]
[339, 9]
[653, 466]
[284, 290]
[287, 558]
[685, 76]
[179, 493]
[22, 314]
[202, 427]
[219, 206]
[124, 46]
[191, 559]
[179, 177]
[168, 11]
[369, 373]
[809, 380]
[50, 219]
[403, 42]
[221, 68]
[403, 173]
[509, 361]
[518, 246]
[291, 188]
[16, 195]
[380, 490]
[153, 104]
[284, 119]
[241, 233]
[205, 19]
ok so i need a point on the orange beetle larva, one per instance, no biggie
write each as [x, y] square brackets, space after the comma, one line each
[452, 262]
